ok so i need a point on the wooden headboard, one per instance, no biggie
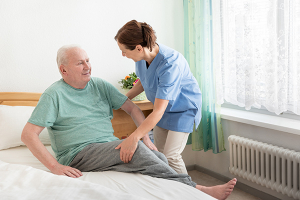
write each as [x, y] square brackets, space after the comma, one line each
[19, 98]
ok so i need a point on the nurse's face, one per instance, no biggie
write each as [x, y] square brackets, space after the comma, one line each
[135, 55]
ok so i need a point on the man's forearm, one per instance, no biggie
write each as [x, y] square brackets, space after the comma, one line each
[146, 125]
[32, 141]
[40, 152]
[44, 156]
[137, 116]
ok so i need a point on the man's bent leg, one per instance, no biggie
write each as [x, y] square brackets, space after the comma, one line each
[104, 157]
[155, 167]
[97, 157]
[161, 156]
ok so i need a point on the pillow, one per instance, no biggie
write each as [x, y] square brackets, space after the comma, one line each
[12, 122]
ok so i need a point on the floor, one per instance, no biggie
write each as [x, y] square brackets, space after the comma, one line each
[206, 180]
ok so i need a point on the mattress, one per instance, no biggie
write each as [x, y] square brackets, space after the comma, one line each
[141, 186]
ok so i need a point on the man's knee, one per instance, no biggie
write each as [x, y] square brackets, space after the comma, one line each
[143, 150]
[161, 156]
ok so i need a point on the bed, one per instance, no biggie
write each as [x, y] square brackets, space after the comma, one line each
[22, 176]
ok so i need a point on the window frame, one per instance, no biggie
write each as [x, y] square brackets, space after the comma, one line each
[262, 110]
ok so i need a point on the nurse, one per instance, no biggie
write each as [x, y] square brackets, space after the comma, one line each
[166, 78]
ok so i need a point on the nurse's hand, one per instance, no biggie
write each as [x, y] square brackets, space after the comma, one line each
[149, 143]
[128, 147]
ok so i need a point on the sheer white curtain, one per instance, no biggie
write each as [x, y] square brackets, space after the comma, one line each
[258, 54]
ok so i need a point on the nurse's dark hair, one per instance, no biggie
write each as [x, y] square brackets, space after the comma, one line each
[134, 33]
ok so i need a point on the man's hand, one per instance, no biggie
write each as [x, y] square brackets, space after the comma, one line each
[59, 169]
[128, 147]
[30, 137]
[149, 143]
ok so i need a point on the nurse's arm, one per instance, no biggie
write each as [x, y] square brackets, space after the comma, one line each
[144, 126]
[129, 145]
[135, 90]
[153, 118]
[159, 109]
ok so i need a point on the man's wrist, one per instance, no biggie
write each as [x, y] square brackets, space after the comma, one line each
[146, 137]
[52, 166]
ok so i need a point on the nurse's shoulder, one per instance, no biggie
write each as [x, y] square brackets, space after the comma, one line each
[171, 58]
[169, 54]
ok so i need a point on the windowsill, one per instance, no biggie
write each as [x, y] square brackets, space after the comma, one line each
[262, 120]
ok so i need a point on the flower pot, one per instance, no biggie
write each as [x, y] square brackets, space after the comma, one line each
[142, 96]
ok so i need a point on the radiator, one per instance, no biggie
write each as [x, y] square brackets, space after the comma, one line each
[270, 166]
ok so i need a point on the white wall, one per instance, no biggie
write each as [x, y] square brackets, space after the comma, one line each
[32, 31]
[219, 163]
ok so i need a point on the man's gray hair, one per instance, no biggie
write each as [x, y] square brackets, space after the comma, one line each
[61, 54]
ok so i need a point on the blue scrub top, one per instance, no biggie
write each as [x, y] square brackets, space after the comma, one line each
[169, 77]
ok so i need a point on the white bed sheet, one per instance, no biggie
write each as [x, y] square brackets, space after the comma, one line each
[20, 182]
[133, 185]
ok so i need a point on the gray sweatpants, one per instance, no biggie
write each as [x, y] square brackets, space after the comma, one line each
[99, 157]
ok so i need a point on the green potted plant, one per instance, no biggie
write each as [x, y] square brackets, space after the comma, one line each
[128, 82]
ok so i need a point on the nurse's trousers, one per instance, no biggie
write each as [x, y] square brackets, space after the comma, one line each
[171, 144]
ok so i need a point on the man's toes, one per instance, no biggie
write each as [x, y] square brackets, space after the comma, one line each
[232, 182]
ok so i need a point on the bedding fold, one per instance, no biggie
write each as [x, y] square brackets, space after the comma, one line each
[25, 182]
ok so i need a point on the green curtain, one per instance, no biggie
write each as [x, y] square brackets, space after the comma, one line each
[198, 50]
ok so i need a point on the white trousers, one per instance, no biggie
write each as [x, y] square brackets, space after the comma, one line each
[171, 144]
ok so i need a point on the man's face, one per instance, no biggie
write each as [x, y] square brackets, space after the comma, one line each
[78, 69]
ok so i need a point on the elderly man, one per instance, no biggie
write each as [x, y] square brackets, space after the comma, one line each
[77, 110]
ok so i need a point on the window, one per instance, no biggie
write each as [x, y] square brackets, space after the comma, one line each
[257, 54]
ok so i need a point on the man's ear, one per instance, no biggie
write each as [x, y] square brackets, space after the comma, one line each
[62, 69]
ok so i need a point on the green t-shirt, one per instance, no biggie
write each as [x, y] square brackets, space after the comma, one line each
[77, 117]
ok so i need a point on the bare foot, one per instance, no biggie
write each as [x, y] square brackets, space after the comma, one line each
[220, 192]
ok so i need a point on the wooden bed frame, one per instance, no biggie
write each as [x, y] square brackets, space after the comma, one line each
[19, 98]
[122, 123]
